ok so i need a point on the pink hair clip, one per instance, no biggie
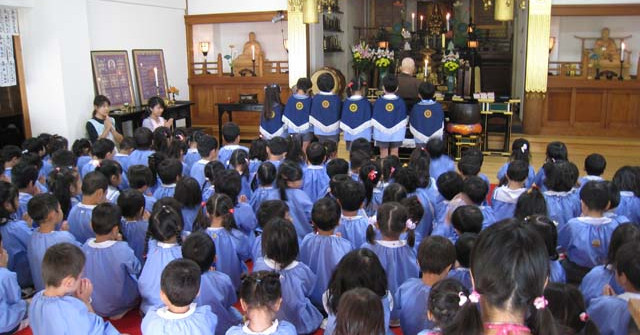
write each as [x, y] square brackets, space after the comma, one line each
[393, 169]
[540, 302]
[231, 211]
[474, 297]
[372, 175]
[410, 224]
[203, 204]
[463, 299]
[584, 317]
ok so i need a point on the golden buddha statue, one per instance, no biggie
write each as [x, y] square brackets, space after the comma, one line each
[252, 50]
[606, 48]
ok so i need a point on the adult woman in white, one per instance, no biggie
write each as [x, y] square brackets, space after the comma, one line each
[154, 120]
[101, 125]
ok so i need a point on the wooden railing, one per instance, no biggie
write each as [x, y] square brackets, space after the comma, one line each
[215, 68]
[566, 69]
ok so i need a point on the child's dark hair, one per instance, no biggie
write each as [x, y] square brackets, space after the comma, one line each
[94, 181]
[41, 205]
[31, 158]
[614, 195]
[476, 189]
[258, 150]
[628, 263]
[390, 83]
[370, 177]
[33, 145]
[471, 162]
[436, 254]
[337, 166]
[627, 179]
[548, 232]
[561, 176]
[512, 254]
[161, 139]
[139, 176]
[81, 147]
[420, 161]
[188, 192]
[530, 202]
[102, 147]
[568, 308]
[180, 281]
[169, 169]
[467, 219]
[557, 151]
[361, 144]
[230, 132]
[358, 268]
[104, 217]
[156, 101]
[206, 144]
[271, 101]
[336, 183]
[426, 91]
[60, 261]
[229, 183]
[131, 202]
[266, 173]
[269, 210]
[64, 158]
[316, 153]
[59, 183]
[595, 164]
[127, 143]
[212, 172]
[360, 312]
[110, 169]
[358, 158]
[240, 158]
[10, 152]
[325, 214]
[354, 86]
[464, 245]
[201, 249]
[143, 137]
[518, 171]
[392, 221]
[304, 84]
[294, 149]
[331, 147]
[288, 172]
[165, 223]
[351, 194]
[520, 151]
[280, 242]
[444, 301]
[415, 211]
[261, 289]
[219, 205]
[325, 82]
[450, 184]
[595, 195]
[394, 193]
[407, 177]
[24, 174]
[435, 147]
[623, 234]
[277, 146]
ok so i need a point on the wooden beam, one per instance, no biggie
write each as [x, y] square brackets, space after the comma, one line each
[231, 17]
[596, 10]
[17, 43]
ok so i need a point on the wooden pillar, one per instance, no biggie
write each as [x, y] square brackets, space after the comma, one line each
[538, 32]
[297, 42]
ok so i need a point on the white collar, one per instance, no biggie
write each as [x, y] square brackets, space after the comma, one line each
[266, 187]
[315, 167]
[505, 194]
[272, 264]
[100, 245]
[355, 97]
[325, 93]
[121, 155]
[392, 244]
[215, 228]
[203, 161]
[22, 194]
[390, 96]
[232, 146]
[271, 330]
[166, 314]
[164, 245]
[426, 102]
[192, 150]
[300, 96]
[350, 218]
[626, 296]
[626, 194]
[559, 194]
[169, 185]
[81, 205]
[590, 177]
[595, 221]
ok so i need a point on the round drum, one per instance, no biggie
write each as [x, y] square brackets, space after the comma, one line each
[464, 113]
[338, 78]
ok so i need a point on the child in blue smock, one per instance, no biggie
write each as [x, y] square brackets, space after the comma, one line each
[133, 226]
[600, 276]
[562, 197]
[94, 192]
[12, 307]
[266, 178]
[476, 190]
[65, 290]
[611, 312]
[314, 175]
[141, 178]
[461, 272]
[353, 224]
[440, 161]
[627, 179]
[289, 183]
[280, 246]
[556, 152]
[113, 172]
[239, 162]
[261, 297]
[425, 189]
[569, 310]
[232, 245]
[389, 119]
[180, 284]
[169, 171]
[297, 110]
[436, 256]
[10, 155]
[449, 184]
[216, 289]
[143, 138]
[370, 177]
[355, 121]
[82, 150]
[229, 183]
[505, 197]
[188, 195]
[125, 146]
[470, 165]
[16, 234]
[396, 255]
[268, 210]
[520, 151]
[163, 245]
[321, 251]
[24, 176]
[102, 149]
[111, 265]
[594, 166]
[44, 210]
[192, 155]
[66, 185]
[276, 150]
[231, 137]
[547, 230]
[359, 268]
[446, 298]
[324, 115]
[271, 123]
[208, 150]
[426, 120]
[211, 172]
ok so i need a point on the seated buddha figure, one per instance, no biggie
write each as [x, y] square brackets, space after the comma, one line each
[251, 49]
[606, 48]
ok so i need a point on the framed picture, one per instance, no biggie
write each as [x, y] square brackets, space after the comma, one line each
[151, 73]
[112, 76]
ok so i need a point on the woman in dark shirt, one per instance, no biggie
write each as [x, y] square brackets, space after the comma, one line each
[101, 125]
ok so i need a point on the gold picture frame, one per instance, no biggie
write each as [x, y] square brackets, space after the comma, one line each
[144, 63]
[112, 76]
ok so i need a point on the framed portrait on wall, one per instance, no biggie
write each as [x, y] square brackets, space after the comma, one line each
[112, 76]
[151, 73]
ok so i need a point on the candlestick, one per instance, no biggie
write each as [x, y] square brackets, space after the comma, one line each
[448, 17]
[253, 62]
[426, 66]
[253, 52]
[443, 43]
[155, 74]
[413, 21]
[622, 52]
[421, 20]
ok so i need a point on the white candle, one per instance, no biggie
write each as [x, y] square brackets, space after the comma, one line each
[253, 52]
[426, 65]
[155, 74]
[622, 52]
[421, 19]
[448, 17]
[413, 21]
[443, 42]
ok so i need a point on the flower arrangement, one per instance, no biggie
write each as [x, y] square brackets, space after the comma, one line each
[174, 90]
[362, 56]
[229, 58]
[451, 63]
[383, 58]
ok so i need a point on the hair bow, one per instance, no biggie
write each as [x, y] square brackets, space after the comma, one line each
[393, 169]
[540, 302]
[463, 299]
[584, 317]
[372, 175]
[372, 220]
[203, 204]
[524, 148]
[231, 211]
[474, 297]
[350, 85]
[410, 224]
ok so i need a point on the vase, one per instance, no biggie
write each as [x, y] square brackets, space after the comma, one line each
[451, 83]
[382, 72]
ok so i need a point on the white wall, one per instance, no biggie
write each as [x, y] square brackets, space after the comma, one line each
[223, 6]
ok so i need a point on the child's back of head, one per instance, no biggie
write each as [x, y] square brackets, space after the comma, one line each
[518, 171]
[143, 138]
[394, 193]
[358, 159]
[471, 162]
[435, 147]
[325, 214]
[520, 151]
[207, 144]
[595, 196]
[568, 308]
[41, 206]
[304, 84]
[476, 189]
[360, 311]
[627, 179]
[271, 209]
[277, 146]
[230, 132]
[407, 177]
[24, 175]
[261, 290]
[93, 182]
[531, 202]
[392, 221]
[449, 184]
[548, 232]
[127, 144]
[561, 176]
[139, 176]
[165, 223]
[331, 147]
[351, 195]
[104, 218]
[436, 255]
[201, 249]
[229, 183]
[426, 91]
[415, 211]
[361, 144]
[169, 170]
[557, 151]
[10, 152]
[390, 83]
[464, 245]
[102, 148]
[180, 282]
[266, 174]
[325, 82]
[258, 150]
[64, 158]
[627, 266]
[62, 261]
[316, 153]
[188, 192]
[446, 298]
[212, 171]
[280, 242]
[131, 203]
[595, 164]
[623, 234]
[81, 147]
[337, 166]
[467, 219]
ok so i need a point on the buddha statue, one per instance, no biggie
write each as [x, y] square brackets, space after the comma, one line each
[250, 51]
[606, 48]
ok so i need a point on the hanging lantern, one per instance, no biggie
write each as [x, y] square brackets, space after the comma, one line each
[504, 10]
[310, 11]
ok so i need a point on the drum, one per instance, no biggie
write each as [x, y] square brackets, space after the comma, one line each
[464, 112]
[338, 78]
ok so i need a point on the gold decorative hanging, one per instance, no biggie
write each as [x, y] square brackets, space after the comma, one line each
[538, 46]
[310, 11]
[504, 10]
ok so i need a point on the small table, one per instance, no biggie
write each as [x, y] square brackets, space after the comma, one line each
[179, 110]
[229, 108]
[502, 109]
